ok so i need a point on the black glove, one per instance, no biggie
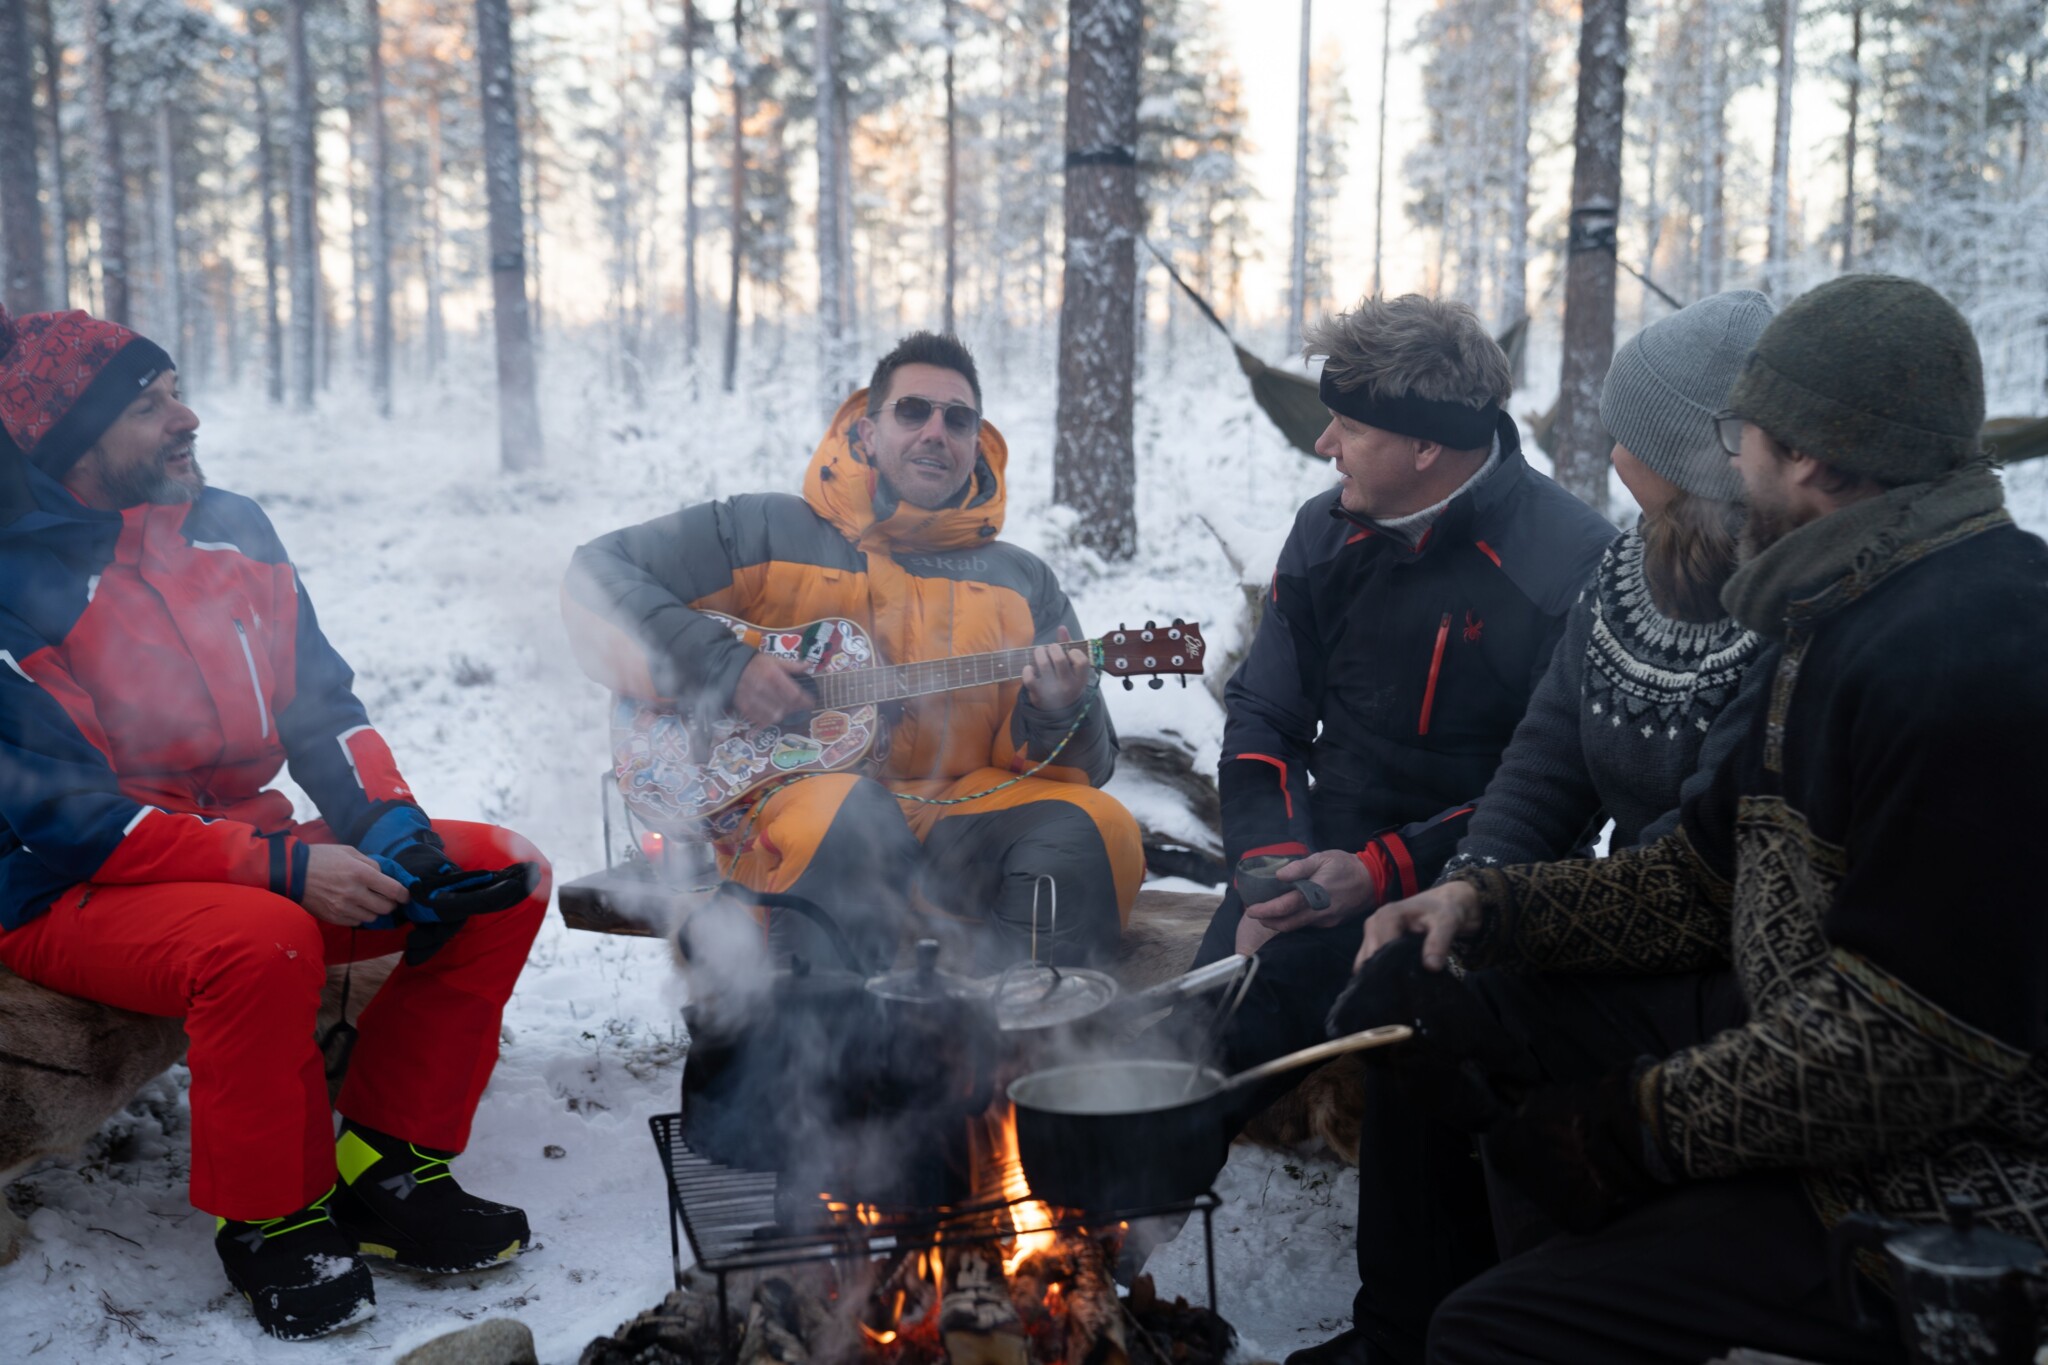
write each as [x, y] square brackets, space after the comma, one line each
[1462, 1066]
[444, 896]
[1581, 1152]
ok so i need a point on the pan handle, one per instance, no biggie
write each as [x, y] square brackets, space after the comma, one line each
[1196, 982]
[1322, 1052]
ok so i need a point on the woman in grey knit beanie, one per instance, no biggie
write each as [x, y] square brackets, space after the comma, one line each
[1647, 686]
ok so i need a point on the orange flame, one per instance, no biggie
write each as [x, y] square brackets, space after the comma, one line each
[1032, 1219]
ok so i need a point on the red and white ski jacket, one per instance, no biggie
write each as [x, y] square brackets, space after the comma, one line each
[157, 668]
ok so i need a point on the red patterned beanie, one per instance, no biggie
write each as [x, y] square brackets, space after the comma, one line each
[64, 378]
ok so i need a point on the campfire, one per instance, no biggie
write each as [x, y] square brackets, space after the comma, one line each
[1003, 1279]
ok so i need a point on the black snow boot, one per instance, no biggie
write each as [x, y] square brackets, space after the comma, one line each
[300, 1273]
[400, 1202]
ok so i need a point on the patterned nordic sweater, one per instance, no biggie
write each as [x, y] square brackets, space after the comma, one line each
[1633, 715]
[1866, 864]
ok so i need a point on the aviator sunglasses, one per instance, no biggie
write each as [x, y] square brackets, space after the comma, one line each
[962, 419]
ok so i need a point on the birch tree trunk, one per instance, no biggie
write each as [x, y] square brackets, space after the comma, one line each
[109, 189]
[1779, 246]
[1094, 468]
[739, 193]
[380, 215]
[266, 193]
[53, 127]
[303, 265]
[21, 208]
[170, 272]
[689, 93]
[1582, 444]
[519, 436]
[834, 381]
[1297, 259]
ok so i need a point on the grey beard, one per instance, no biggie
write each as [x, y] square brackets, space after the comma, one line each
[150, 484]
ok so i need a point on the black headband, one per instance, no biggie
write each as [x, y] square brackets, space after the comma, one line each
[1459, 426]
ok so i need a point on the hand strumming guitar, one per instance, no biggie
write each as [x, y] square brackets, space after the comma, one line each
[768, 690]
[1056, 677]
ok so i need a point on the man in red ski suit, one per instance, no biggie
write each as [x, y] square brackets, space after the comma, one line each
[159, 663]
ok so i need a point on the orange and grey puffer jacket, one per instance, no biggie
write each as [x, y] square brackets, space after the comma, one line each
[924, 584]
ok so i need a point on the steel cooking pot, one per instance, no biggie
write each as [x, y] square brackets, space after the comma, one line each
[1964, 1294]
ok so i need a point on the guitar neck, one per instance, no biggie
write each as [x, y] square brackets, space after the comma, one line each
[859, 686]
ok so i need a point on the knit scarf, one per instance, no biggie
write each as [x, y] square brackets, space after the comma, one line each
[1833, 560]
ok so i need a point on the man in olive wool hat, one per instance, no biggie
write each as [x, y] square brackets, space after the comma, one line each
[1855, 861]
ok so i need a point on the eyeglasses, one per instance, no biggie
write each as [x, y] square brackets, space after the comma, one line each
[962, 419]
[1728, 426]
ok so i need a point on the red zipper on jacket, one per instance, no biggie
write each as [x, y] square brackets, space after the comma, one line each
[1436, 664]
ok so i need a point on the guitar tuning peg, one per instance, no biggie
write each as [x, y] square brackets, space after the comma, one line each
[1130, 686]
[1151, 625]
[1183, 680]
[1156, 684]
[1177, 621]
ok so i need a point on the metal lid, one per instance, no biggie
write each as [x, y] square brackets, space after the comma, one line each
[923, 983]
[1962, 1245]
[1039, 995]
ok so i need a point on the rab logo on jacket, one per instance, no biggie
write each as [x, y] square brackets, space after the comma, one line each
[1474, 628]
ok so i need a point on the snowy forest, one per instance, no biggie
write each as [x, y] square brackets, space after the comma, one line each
[458, 286]
[326, 193]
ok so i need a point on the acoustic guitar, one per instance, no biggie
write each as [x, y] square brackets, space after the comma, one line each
[689, 776]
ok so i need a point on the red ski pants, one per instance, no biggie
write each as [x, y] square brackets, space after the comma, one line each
[244, 968]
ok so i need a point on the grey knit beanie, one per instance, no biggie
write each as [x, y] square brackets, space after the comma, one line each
[1670, 379]
[1873, 374]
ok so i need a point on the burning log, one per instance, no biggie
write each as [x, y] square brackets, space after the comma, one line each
[977, 1321]
[1095, 1317]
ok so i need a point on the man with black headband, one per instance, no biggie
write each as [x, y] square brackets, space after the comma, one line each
[1414, 608]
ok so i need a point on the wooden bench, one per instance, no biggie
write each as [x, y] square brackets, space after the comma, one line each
[1159, 942]
[68, 1065]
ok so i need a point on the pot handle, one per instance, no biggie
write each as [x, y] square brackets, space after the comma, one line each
[1322, 1052]
[810, 910]
[1854, 1296]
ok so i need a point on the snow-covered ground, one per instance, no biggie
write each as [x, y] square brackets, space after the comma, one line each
[437, 577]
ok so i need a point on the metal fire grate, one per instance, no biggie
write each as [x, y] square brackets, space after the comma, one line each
[732, 1222]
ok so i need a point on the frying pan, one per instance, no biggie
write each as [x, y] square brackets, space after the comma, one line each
[1119, 1135]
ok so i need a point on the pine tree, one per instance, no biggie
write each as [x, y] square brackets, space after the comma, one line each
[1094, 468]
[519, 435]
[22, 269]
[1582, 445]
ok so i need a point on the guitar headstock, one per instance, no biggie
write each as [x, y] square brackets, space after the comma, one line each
[1151, 650]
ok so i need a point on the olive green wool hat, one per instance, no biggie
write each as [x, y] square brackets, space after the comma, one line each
[1873, 374]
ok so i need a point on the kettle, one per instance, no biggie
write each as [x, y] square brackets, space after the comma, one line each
[1964, 1294]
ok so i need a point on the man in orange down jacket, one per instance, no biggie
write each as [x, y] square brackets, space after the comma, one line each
[896, 531]
[159, 664]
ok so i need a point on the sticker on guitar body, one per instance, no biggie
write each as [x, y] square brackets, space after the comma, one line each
[796, 751]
